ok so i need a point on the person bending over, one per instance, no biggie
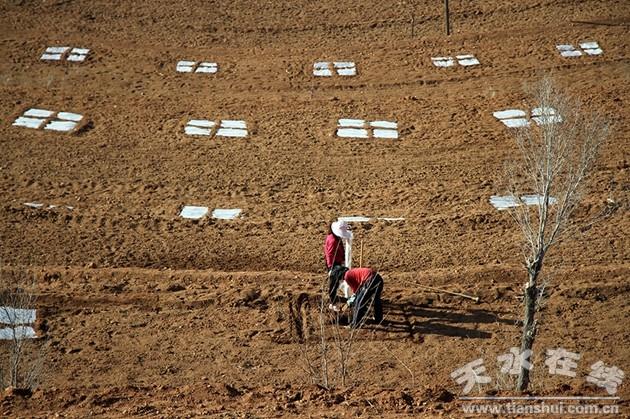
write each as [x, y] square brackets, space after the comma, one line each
[367, 285]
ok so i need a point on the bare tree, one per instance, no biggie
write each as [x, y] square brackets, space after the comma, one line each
[327, 350]
[22, 354]
[556, 156]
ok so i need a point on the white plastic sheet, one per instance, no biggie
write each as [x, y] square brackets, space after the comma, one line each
[193, 130]
[354, 219]
[39, 113]
[515, 122]
[231, 132]
[536, 199]
[384, 124]
[62, 126]
[504, 202]
[359, 128]
[510, 201]
[585, 47]
[226, 213]
[193, 212]
[201, 123]
[355, 123]
[385, 133]
[443, 61]
[510, 113]
[13, 316]
[231, 123]
[185, 66]
[341, 68]
[57, 54]
[25, 122]
[352, 133]
[69, 116]
[206, 67]
[17, 332]
[226, 128]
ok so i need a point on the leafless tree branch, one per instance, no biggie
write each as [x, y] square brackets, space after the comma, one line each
[556, 155]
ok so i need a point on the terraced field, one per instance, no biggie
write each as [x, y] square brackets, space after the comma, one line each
[150, 314]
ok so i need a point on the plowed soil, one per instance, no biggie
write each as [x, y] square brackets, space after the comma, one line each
[147, 314]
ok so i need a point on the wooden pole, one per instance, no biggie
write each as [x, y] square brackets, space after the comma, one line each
[476, 299]
[361, 254]
[447, 20]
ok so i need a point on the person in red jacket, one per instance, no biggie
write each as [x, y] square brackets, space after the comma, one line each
[334, 252]
[367, 285]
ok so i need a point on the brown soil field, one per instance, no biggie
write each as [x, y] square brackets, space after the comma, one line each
[147, 314]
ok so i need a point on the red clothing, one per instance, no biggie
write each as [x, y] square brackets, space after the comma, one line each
[355, 277]
[334, 252]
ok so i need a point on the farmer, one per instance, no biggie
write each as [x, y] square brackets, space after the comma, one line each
[367, 285]
[334, 251]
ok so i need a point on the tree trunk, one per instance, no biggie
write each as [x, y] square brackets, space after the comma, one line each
[529, 322]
